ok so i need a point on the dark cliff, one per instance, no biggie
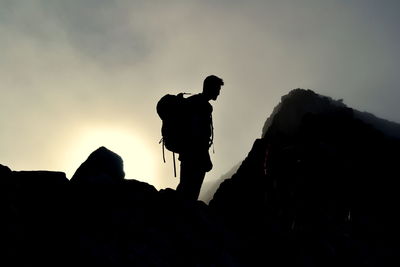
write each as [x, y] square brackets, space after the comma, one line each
[319, 188]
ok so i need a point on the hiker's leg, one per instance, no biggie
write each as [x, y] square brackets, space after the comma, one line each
[184, 178]
[196, 183]
[191, 179]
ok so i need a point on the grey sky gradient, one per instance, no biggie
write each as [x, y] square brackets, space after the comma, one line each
[74, 67]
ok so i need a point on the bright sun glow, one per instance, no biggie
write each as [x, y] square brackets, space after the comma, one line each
[138, 161]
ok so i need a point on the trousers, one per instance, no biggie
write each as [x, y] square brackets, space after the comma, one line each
[191, 178]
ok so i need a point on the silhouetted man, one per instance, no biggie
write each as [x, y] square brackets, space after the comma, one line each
[195, 158]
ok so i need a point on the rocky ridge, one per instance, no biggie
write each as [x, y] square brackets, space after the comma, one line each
[318, 188]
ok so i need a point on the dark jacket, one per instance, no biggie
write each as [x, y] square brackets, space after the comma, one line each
[199, 131]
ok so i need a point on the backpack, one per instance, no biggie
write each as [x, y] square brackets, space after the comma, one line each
[173, 111]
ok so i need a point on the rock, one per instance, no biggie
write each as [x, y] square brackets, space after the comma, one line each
[4, 172]
[317, 188]
[10, 229]
[39, 179]
[34, 217]
[102, 167]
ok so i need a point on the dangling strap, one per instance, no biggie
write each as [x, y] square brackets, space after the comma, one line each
[163, 154]
[212, 134]
[173, 156]
[163, 148]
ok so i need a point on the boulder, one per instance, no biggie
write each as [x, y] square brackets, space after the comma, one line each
[101, 167]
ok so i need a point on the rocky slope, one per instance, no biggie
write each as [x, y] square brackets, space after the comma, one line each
[319, 188]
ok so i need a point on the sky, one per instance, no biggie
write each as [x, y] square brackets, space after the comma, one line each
[79, 74]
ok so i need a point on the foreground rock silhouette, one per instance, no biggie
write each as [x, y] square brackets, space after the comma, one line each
[319, 188]
[50, 221]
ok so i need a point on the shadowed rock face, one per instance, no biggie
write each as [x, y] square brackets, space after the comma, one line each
[319, 188]
[49, 221]
[102, 167]
[4, 172]
[33, 207]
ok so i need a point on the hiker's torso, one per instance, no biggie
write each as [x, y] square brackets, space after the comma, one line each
[199, 122]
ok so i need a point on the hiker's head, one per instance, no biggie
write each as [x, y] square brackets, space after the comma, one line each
[211, 86]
